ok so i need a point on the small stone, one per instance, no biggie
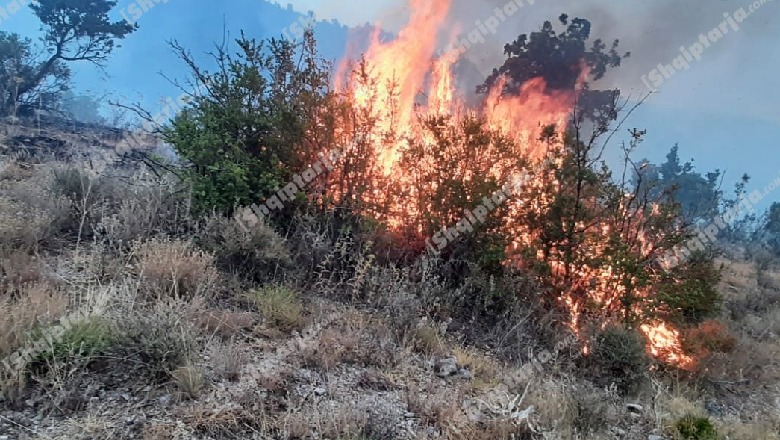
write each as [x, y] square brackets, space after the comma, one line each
[634, 407]
[714, 408]
[319, 391]
[654, 437]
[446, 367]
[465, 373]
[165, 400]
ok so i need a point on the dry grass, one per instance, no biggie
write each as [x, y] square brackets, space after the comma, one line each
[343, 422]
[37, 305]
[228, 359]
[356, 339]
[189, 379]
[427, 339]
[483, 368]
[225, 323]
[204, 420]
[20, 268]
[175, 268]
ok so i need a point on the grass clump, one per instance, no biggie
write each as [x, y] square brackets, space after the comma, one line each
[696, 428]
[82, 339]
[280, 306]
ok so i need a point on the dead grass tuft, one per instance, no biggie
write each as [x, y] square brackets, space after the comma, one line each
[174, 268]
[228, 359]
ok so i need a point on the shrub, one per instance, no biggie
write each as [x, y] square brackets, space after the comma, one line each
[280, 306]
[696, 428]
[84, 194]
[244, 137]
[251, 249]
[174, 268]
[30, 220]
[159, 340]
[619, 356]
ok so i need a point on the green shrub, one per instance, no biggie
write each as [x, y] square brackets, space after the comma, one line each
[690, 289]
[696, 428]
[244, 136]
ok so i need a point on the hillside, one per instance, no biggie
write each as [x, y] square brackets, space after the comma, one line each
[191, 327]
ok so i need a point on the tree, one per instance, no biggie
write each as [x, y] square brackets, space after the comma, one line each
[17, 63]
[74, 30]
[559, 58]
[698, 195]
[769, 232]
[82, 108]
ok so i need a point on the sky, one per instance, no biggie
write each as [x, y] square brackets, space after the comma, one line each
[722, 109]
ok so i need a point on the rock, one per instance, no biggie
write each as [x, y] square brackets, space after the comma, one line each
[634, 408]
[319, 391]
[654, 437]
[165, 400]
[465, 373]
[714, 408]
[619, 432]
[446, 367]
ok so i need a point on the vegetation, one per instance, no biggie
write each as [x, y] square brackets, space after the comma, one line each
[245, 132]
[72, 31]
[334, 316]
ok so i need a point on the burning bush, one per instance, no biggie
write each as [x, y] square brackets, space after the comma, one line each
[428, 166]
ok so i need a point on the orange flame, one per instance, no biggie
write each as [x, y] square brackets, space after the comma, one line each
[391, 92]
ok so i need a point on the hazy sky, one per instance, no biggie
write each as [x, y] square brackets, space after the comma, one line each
[722, 110]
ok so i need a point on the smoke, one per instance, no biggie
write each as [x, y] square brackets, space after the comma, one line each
[653, 31]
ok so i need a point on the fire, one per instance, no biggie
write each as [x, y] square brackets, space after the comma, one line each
[665, 344]
[402, 82]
